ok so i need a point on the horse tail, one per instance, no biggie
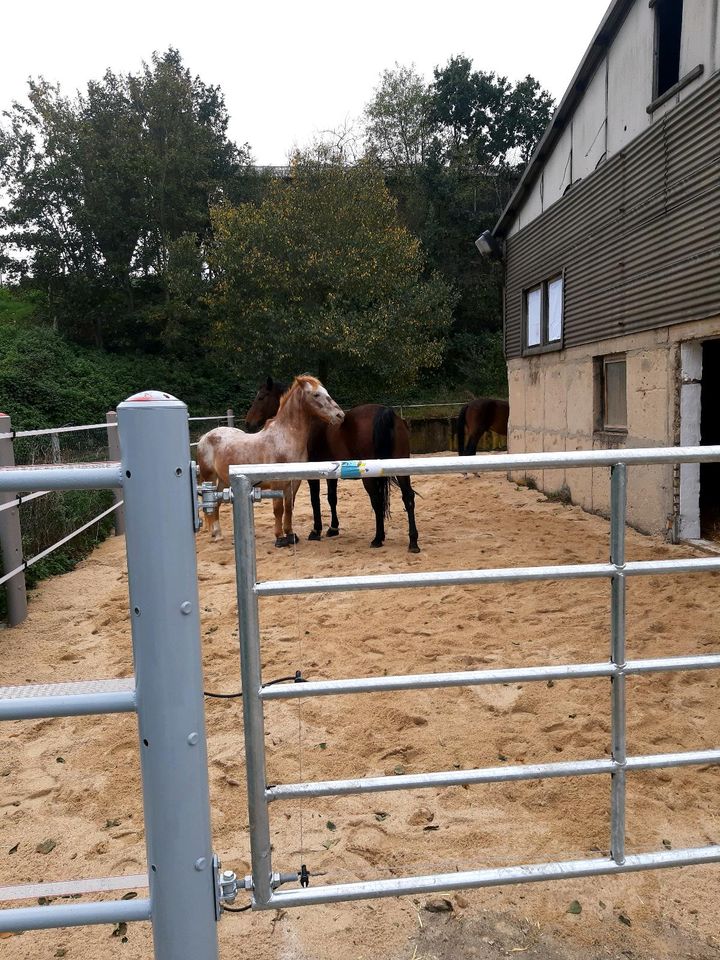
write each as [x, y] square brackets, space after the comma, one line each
[384, 446]
[461, 431]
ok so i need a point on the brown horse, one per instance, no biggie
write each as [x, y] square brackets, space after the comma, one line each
[479, 416]
[368, 432]
[282, 440]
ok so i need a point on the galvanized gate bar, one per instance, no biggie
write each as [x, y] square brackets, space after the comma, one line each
[446, 578]
[69, 888]
[39, 701]
[69, 476]
[429, 681]
[618, 500]
[490, 463]
[251, 671]
[530, 873]
[19, 919]
[504, 774]
[473, 678]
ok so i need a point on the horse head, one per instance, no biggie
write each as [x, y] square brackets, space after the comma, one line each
[265, 405]
[318, 401]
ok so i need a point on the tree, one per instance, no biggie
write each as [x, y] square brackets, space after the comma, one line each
[483, 121]
[101, 185]
[321, 275]
[397, 123]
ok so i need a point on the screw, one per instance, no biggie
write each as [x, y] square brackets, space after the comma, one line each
[186, 607]
[193, 739]
[200, 863]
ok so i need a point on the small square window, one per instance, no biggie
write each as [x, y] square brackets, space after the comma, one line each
[543, 312]
[614, 394]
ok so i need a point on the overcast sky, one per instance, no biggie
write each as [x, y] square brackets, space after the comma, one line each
[292, 69]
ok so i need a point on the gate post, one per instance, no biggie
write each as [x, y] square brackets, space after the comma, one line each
[114, 454]
[230, 417]
[11, 536]
[162, 576]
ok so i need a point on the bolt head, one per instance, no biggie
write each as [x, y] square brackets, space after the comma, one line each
[200, 863]
[193, 738]
[186, 607]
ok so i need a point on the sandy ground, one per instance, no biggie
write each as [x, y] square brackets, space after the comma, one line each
[75, 781]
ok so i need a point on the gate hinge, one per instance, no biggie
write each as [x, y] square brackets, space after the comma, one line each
[226, 886]
[210, 496]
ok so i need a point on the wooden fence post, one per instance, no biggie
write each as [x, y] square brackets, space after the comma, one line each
[114, 454]
[11, 535]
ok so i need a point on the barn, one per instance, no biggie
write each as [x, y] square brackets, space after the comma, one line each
[611, 246]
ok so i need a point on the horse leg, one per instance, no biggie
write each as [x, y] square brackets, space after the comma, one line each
[289, 538]
[376, 499]
[278, 506]
[408, 495]
[334, 528]
[316, 532]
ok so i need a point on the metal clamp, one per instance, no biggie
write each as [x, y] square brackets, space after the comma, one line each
[194, 471]
[210, 496]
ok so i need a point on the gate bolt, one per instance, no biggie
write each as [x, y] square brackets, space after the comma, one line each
[228, 886]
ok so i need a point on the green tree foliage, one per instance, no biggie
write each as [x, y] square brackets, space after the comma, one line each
[452, 151]
[100, 186]
[321, 275]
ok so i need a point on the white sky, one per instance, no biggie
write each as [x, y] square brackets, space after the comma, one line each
[292, 69]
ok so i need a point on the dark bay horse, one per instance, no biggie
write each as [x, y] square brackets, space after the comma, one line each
[368, 432]
[479, 416]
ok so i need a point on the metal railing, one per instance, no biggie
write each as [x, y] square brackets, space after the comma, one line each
[263, 881]
[155, 477]
[14, 562]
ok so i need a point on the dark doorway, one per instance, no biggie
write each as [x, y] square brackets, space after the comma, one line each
[710, 434]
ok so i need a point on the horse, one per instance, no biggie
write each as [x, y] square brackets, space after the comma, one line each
[369, 432]
[283, 439]
[480, 415]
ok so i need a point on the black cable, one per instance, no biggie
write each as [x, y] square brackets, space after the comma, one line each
[237, 909]
[296, 678]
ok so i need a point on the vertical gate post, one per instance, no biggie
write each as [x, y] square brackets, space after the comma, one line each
[114, 454]
[162, 576]
[251, 672]
[618, 506]
[11, 535]
[230, 417]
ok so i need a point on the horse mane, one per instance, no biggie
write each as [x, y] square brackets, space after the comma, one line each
[297, 384]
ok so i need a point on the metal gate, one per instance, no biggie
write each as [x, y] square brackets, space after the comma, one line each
[265, 880]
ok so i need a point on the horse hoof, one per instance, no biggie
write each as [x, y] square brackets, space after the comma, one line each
[315, 535]
[414, 548]
[282, 542]
[377, 543]
[333, 532]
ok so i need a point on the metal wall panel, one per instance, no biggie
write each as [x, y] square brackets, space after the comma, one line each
[639, 239]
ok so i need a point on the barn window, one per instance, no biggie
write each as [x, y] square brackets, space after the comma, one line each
[543, 305]
[668, 31]
[614, 393]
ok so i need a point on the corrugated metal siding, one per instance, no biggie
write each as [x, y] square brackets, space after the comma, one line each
[639, 240]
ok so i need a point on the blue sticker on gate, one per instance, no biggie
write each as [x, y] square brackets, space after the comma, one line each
[351, 469]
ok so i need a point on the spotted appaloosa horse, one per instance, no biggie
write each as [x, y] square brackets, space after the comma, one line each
[368, 432]
[283, 439]
[478, 416]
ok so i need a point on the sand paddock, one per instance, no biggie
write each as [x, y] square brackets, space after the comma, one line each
[76, 780]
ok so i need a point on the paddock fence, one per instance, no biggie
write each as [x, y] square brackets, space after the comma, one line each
[187, 889]
[13, 449]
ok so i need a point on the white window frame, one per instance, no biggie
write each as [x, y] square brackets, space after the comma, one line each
[547, 289]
